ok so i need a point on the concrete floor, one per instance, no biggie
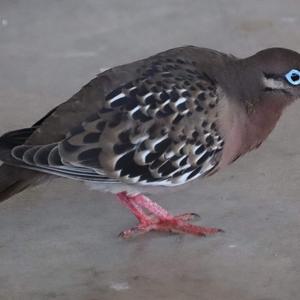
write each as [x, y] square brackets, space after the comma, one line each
[59, 241]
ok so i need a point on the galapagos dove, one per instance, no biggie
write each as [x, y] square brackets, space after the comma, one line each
[156, 123]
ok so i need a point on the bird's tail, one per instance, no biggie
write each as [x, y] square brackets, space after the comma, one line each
[14, 180]
[10, 182]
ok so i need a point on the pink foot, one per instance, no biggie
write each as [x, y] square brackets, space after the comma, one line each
[159, 219]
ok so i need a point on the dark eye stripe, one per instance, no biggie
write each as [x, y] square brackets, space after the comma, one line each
[272, 76]
[286, 92]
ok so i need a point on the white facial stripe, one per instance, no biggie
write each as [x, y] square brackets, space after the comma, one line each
[273, 83]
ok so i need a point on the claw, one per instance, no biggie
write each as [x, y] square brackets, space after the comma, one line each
[188, 217]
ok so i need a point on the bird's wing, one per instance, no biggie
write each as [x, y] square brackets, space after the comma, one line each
[159, 129]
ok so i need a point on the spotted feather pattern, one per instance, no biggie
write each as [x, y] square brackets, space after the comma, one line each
[160, 129]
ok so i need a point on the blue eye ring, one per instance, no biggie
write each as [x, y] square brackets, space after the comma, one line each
[293, 77]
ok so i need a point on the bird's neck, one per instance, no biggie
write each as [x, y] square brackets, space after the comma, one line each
[245, 130]
[262, 120]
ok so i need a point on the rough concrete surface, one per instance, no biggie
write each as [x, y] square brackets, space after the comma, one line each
[60, 240]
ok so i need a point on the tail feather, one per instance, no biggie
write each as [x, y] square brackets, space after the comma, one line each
[14, 180]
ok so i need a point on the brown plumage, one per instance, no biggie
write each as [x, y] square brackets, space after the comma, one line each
[158, 122]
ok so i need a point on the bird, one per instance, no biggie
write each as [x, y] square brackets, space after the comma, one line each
[154, 125]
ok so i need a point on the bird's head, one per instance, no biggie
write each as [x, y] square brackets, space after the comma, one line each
[277, 74]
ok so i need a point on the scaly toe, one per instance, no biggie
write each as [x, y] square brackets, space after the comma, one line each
[131, 233]
[179, 226]
[139, 229]
[175, 225]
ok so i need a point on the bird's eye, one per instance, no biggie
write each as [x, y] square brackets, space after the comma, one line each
[293, 77]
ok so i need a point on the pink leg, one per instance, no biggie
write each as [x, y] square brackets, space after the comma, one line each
[135, 209]
[159, 219]
[153, 207]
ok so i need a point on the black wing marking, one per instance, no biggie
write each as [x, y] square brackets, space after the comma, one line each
[159, 129]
